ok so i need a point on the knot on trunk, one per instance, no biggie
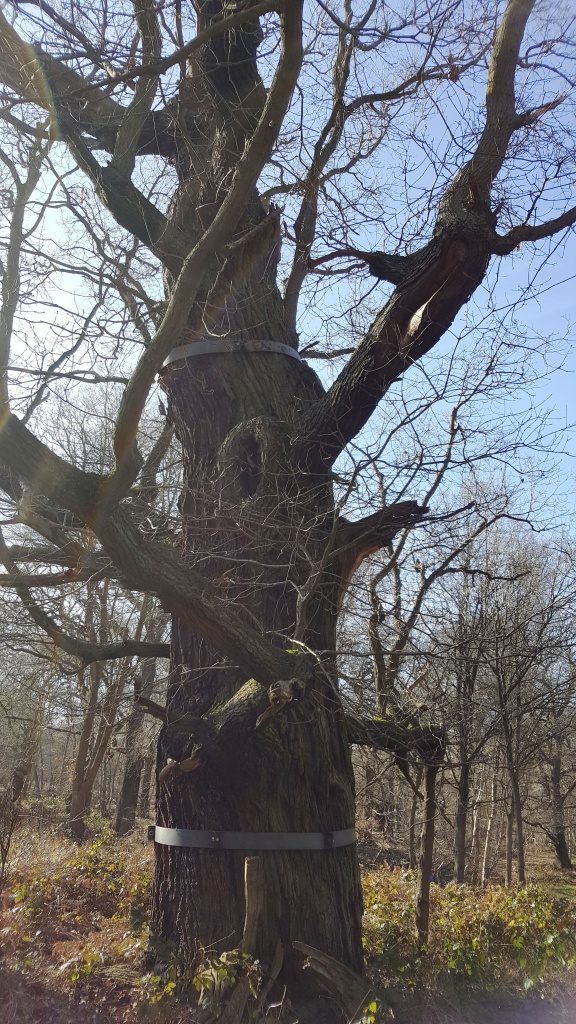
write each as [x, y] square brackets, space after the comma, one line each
[172, 767]
[283, 692]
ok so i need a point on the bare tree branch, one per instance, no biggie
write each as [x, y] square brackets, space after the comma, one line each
[357, 540]
[218, 26]
[135, 115]
[398, 736]
[186, 288]
[504, 244]
[146, 565]
[77, 648]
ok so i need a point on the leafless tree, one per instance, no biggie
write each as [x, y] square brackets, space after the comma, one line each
[189, 124]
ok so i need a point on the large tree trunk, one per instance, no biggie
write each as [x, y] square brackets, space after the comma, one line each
[426, 855]
[256, 523]
[463, 801]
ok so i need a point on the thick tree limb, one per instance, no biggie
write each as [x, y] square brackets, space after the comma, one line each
[504, 244]
[49, 522]
[36, 554]
[40, 79]
[217, 733]
[474, 181]
[54, 579]
[135, 115]
[146, 565]
[128, 205]
[76, 647]
[444, 274]
[183, 592]
[355, 541]
[47, 474]
[151, 707]
[393, 268]
[89, 566]
[184, 292]
[413, 320]
[397, 736]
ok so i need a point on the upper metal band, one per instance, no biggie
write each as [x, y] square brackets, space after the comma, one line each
[222, 345]
[214, 840]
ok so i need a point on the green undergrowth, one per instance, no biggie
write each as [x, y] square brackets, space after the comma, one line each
[73, 920]
[94, 881]
[521, 940]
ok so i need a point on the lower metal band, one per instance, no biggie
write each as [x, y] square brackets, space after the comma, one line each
[214, 840]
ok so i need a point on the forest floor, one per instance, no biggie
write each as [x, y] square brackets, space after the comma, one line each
[73, 941]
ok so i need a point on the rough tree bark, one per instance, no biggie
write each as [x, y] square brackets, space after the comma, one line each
[255, 518]
[256, 521]
[426, 853]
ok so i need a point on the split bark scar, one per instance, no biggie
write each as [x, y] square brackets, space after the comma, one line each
[456, 257]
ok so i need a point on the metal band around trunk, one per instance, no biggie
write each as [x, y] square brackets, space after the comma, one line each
[223, 345]
[215, 840]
